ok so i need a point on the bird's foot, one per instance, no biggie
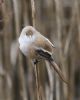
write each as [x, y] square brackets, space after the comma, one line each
[35, 61]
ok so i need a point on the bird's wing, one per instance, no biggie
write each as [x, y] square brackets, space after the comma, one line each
[43, 53]
[50, 43]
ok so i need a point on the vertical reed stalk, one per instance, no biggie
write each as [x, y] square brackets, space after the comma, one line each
[37, 83]
[35, 65]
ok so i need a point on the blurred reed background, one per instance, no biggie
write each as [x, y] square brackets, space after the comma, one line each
[59, 20]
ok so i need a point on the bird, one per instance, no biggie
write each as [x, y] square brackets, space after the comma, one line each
[35, 46]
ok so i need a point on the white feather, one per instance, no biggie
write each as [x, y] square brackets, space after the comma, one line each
[25, 42]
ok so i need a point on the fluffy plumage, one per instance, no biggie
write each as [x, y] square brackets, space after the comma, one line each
[32, 42]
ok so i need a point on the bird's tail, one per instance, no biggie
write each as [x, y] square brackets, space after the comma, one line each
[45, 54]
[57, 69]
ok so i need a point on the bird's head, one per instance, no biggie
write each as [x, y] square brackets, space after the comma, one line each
[28, 31]
[26, 38]
[28, 34]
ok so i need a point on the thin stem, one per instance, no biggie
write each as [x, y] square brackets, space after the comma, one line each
[35, 64]
[50, 74]
[37, 83]
[33, 12]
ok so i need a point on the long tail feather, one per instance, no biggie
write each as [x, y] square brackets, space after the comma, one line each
[57, 69]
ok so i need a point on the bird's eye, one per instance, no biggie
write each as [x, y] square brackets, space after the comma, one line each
[29, 33]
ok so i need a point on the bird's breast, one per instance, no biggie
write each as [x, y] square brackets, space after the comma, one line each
[24, 49]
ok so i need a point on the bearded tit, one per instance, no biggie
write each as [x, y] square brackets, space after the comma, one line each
[36, 46]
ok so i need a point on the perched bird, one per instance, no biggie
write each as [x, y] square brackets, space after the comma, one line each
[36, 46]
